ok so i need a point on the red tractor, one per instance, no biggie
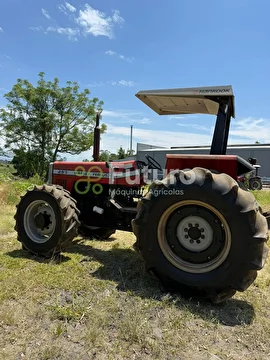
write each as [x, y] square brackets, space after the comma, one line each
[197, 230]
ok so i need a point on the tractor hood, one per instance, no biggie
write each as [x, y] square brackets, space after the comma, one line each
[199, 100]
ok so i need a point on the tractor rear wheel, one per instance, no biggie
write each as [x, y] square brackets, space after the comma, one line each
[46, 220]
[201, 234]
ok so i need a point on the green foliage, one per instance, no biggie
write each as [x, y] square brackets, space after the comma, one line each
[28, 163]
[121, 153]
[40, 122]
[106, 155]
[12, 188]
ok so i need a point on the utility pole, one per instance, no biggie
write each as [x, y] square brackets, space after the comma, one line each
[131, 152]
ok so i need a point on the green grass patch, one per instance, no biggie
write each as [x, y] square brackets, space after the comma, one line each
[95, 301]
[7, 219]
[263, 198]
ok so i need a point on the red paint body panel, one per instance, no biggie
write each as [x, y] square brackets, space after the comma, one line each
[126, 173]
[221, 163]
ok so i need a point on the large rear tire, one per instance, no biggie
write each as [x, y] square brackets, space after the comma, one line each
[46, 220]
[200, 233]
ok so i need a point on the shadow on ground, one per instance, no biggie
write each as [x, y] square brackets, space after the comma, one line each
[126, 268]
[54, 260]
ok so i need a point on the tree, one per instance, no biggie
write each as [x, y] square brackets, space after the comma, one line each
[27, 164]
[45, 120]
[121, 153]
[106, 155]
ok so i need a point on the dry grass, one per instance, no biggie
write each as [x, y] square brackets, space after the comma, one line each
[96, 302]
[7, 220]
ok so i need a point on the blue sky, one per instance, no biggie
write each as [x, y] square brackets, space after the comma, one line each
[116, 48]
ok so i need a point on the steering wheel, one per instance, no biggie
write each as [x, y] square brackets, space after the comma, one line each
[152, 163]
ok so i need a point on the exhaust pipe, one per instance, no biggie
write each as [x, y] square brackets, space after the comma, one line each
[97, 138]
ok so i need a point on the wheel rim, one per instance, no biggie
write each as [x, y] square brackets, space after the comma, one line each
[39, 221]
[255, 185]
[194, 236]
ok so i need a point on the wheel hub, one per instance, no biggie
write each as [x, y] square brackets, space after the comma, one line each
[42, 220]
[194, 233]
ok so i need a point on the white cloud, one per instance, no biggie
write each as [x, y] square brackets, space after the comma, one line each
[145, 121]
[96, 23]
[130, 60]
[36, 28]
[62, 8]
[116, 18]
[122, 57]
[7, 57]
[70, 7]
[178, 117]
[46, 14]
[66, 8]
[1, 29]
[119, 113]
[121, 83]
[89, 21]
[71, 33]
[195, 126]
[244, 131]
[128, 83]
[251, 129]
[110, 52]
[125, 116]
[96, 84]
[121, 134]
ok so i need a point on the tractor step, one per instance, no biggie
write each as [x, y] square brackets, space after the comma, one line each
[123, 208]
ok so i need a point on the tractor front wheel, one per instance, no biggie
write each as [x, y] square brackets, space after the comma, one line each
[200, 233]
[46, 220]
[255, 183]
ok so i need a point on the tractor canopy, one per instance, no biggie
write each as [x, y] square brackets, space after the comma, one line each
[199, 100]
[212, 100]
